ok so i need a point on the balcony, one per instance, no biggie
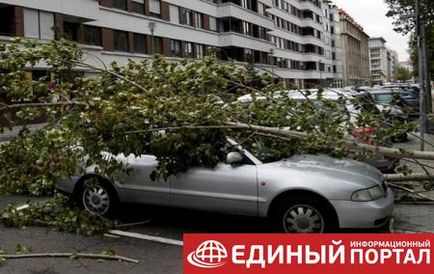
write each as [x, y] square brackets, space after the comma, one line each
[229, 39]
[235, 11]
[299, 56]
[299, 74]
[308, 4]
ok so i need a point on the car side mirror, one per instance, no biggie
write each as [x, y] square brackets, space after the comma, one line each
[234, 158]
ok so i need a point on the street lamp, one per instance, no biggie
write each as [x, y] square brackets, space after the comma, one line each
[152, 27]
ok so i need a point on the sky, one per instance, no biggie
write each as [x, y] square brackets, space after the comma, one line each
[371, 14]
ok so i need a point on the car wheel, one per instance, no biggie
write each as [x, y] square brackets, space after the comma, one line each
[304, 215]
[97, 196]
[400, 138]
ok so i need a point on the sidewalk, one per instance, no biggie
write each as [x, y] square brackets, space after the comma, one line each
[412, 218]
[409, 217]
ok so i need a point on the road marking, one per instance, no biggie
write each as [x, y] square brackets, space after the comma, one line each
[146, 237]
[111, 236]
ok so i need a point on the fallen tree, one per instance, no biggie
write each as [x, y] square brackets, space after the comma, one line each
[181, 112]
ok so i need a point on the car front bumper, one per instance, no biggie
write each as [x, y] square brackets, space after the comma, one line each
[364, 214]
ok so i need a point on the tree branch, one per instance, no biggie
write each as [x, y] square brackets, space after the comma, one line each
[391, 152]
[15, 106]
[411, 192]
[418, 177]
[71, 255]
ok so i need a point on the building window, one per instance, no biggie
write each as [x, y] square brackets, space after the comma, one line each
[138, 6]
[92, 35]
[186, 17]
[70, 31]
[248, 55]
[158, 45]
[200, 51]
[155, 8]
[247, 27]
[175, 48]
[213, 23]
[7, 20]
[139, 43]
[188, 50]
[120, 4]
[38, 24]
[120, 41]
[198, 20]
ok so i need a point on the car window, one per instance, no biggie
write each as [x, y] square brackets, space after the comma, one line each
[408, 96]
[268, 149]
[383, 98]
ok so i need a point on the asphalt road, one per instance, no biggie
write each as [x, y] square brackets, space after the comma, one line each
[154, 257]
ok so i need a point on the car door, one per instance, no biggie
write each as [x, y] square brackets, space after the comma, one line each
[411, 99]
[226, 188]
[137, 186]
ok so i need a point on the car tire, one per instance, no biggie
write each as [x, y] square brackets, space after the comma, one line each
[304, 214]
[97, 196]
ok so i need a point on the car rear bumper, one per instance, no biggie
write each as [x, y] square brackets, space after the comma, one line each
[365, 214]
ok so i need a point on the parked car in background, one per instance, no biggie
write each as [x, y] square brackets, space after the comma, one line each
[384, 164]
[405, 87]
[301, 194]
[406, 100]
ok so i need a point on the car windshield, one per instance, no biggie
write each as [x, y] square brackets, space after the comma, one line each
[386, 98]
[365, 103]
[268, 149]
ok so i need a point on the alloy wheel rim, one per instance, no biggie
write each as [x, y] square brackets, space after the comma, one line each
[96, 200]
[303, 219]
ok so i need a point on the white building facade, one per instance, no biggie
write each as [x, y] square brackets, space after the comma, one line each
[393, 64]
[379, 60]
[296, 39]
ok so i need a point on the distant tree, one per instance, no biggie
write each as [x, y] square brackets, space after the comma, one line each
[402, 11]
[402, 74]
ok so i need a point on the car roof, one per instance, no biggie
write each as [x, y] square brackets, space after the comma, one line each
[387, 91]
[331, 94]
[312, 94]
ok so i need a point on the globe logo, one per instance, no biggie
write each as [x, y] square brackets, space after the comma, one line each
[209, 254]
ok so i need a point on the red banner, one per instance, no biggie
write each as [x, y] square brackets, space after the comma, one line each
[307, 253]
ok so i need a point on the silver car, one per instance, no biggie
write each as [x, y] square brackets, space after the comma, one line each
[302, 194]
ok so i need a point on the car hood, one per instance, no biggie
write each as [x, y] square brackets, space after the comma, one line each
[331, 166]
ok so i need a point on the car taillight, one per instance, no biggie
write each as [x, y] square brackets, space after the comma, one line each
[364, 133]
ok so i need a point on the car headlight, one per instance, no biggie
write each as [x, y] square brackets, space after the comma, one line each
[370, 194]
